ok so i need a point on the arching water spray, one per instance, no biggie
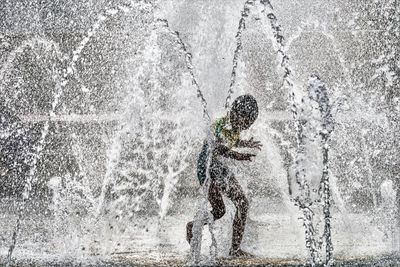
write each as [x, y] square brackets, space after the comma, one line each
[298, 127]
[189, 65]
[242, 25]
[48, 45]
[115, 147]
[304, 200]
[318, 92]
[61, 82]
[32, 163]
[337, 103]
[203, 215]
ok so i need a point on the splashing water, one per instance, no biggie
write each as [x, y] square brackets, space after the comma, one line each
[317, 92]
[242, 25]
[203, 215]
[189, 65]
[32, 163]
[61, 83]
[119, 196]
[300, 177]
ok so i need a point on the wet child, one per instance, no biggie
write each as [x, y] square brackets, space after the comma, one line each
[226, 130]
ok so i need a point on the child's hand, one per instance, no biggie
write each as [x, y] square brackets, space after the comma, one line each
[245, 156]
[254, 144]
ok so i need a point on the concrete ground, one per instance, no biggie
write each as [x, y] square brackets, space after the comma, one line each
[276, 238]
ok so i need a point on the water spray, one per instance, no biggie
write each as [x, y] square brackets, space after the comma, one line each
[189, 65]
[61, 82]
[203, 215]
[318, 92]
[304, 201]
[242, 26]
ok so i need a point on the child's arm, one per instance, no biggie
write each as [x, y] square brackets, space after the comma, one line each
[249, 143]
[228, 153]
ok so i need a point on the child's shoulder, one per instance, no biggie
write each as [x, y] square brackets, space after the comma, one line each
[221, 121]
[219, 124]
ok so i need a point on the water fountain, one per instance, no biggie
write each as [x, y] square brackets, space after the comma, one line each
[100, 131]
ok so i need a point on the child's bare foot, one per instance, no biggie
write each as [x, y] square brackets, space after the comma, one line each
[189, 233]
[238, 253]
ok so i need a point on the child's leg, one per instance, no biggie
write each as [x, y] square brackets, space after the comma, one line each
[236, 195]
[216, 201]
[217, 204]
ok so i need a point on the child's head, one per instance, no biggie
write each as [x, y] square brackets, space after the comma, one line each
[244, 112]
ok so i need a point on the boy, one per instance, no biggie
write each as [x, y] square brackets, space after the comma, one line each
[227, 130]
